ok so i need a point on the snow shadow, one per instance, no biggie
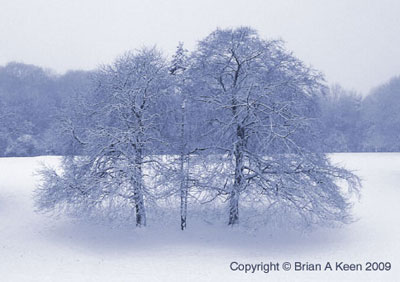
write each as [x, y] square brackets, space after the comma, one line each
[109, 240]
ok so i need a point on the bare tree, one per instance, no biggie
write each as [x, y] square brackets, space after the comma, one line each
[264, 102]
[239, 128]
[118, 142]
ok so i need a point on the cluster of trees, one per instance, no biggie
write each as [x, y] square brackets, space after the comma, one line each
[351, 123]
[34, 102]
[31, 100]
[380, 114]
[233, 124]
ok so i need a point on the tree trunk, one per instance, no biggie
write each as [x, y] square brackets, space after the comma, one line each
[238, 182]
[140, 209]
[234, 208]
[138, 192]
[183, 184]
[183, 207]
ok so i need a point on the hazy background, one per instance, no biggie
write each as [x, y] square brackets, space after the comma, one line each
[355, 43]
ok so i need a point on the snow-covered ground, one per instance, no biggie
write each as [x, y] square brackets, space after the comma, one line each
[35, 247]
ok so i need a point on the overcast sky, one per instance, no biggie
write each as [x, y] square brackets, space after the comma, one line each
[353, 42]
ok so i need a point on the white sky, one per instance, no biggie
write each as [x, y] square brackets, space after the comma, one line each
[353, 42]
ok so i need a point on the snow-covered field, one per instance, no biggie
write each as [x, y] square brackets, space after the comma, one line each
[35, 247]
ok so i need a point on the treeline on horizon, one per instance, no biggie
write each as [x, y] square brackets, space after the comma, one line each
[35, 101]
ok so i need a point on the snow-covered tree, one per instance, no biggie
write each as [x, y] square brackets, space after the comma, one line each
[4, 126]
[340, 119]
[380, 117]
[263, 104]
[118, 140]
[178, 70]
[234, 121]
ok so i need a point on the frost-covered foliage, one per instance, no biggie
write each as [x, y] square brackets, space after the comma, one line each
[120, 133]
[231, 126]
[264, 103]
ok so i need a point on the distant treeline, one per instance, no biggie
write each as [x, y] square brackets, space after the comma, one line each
[35, 101]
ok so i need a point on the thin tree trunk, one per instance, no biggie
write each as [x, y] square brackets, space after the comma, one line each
[183, 184]
[184, 194]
